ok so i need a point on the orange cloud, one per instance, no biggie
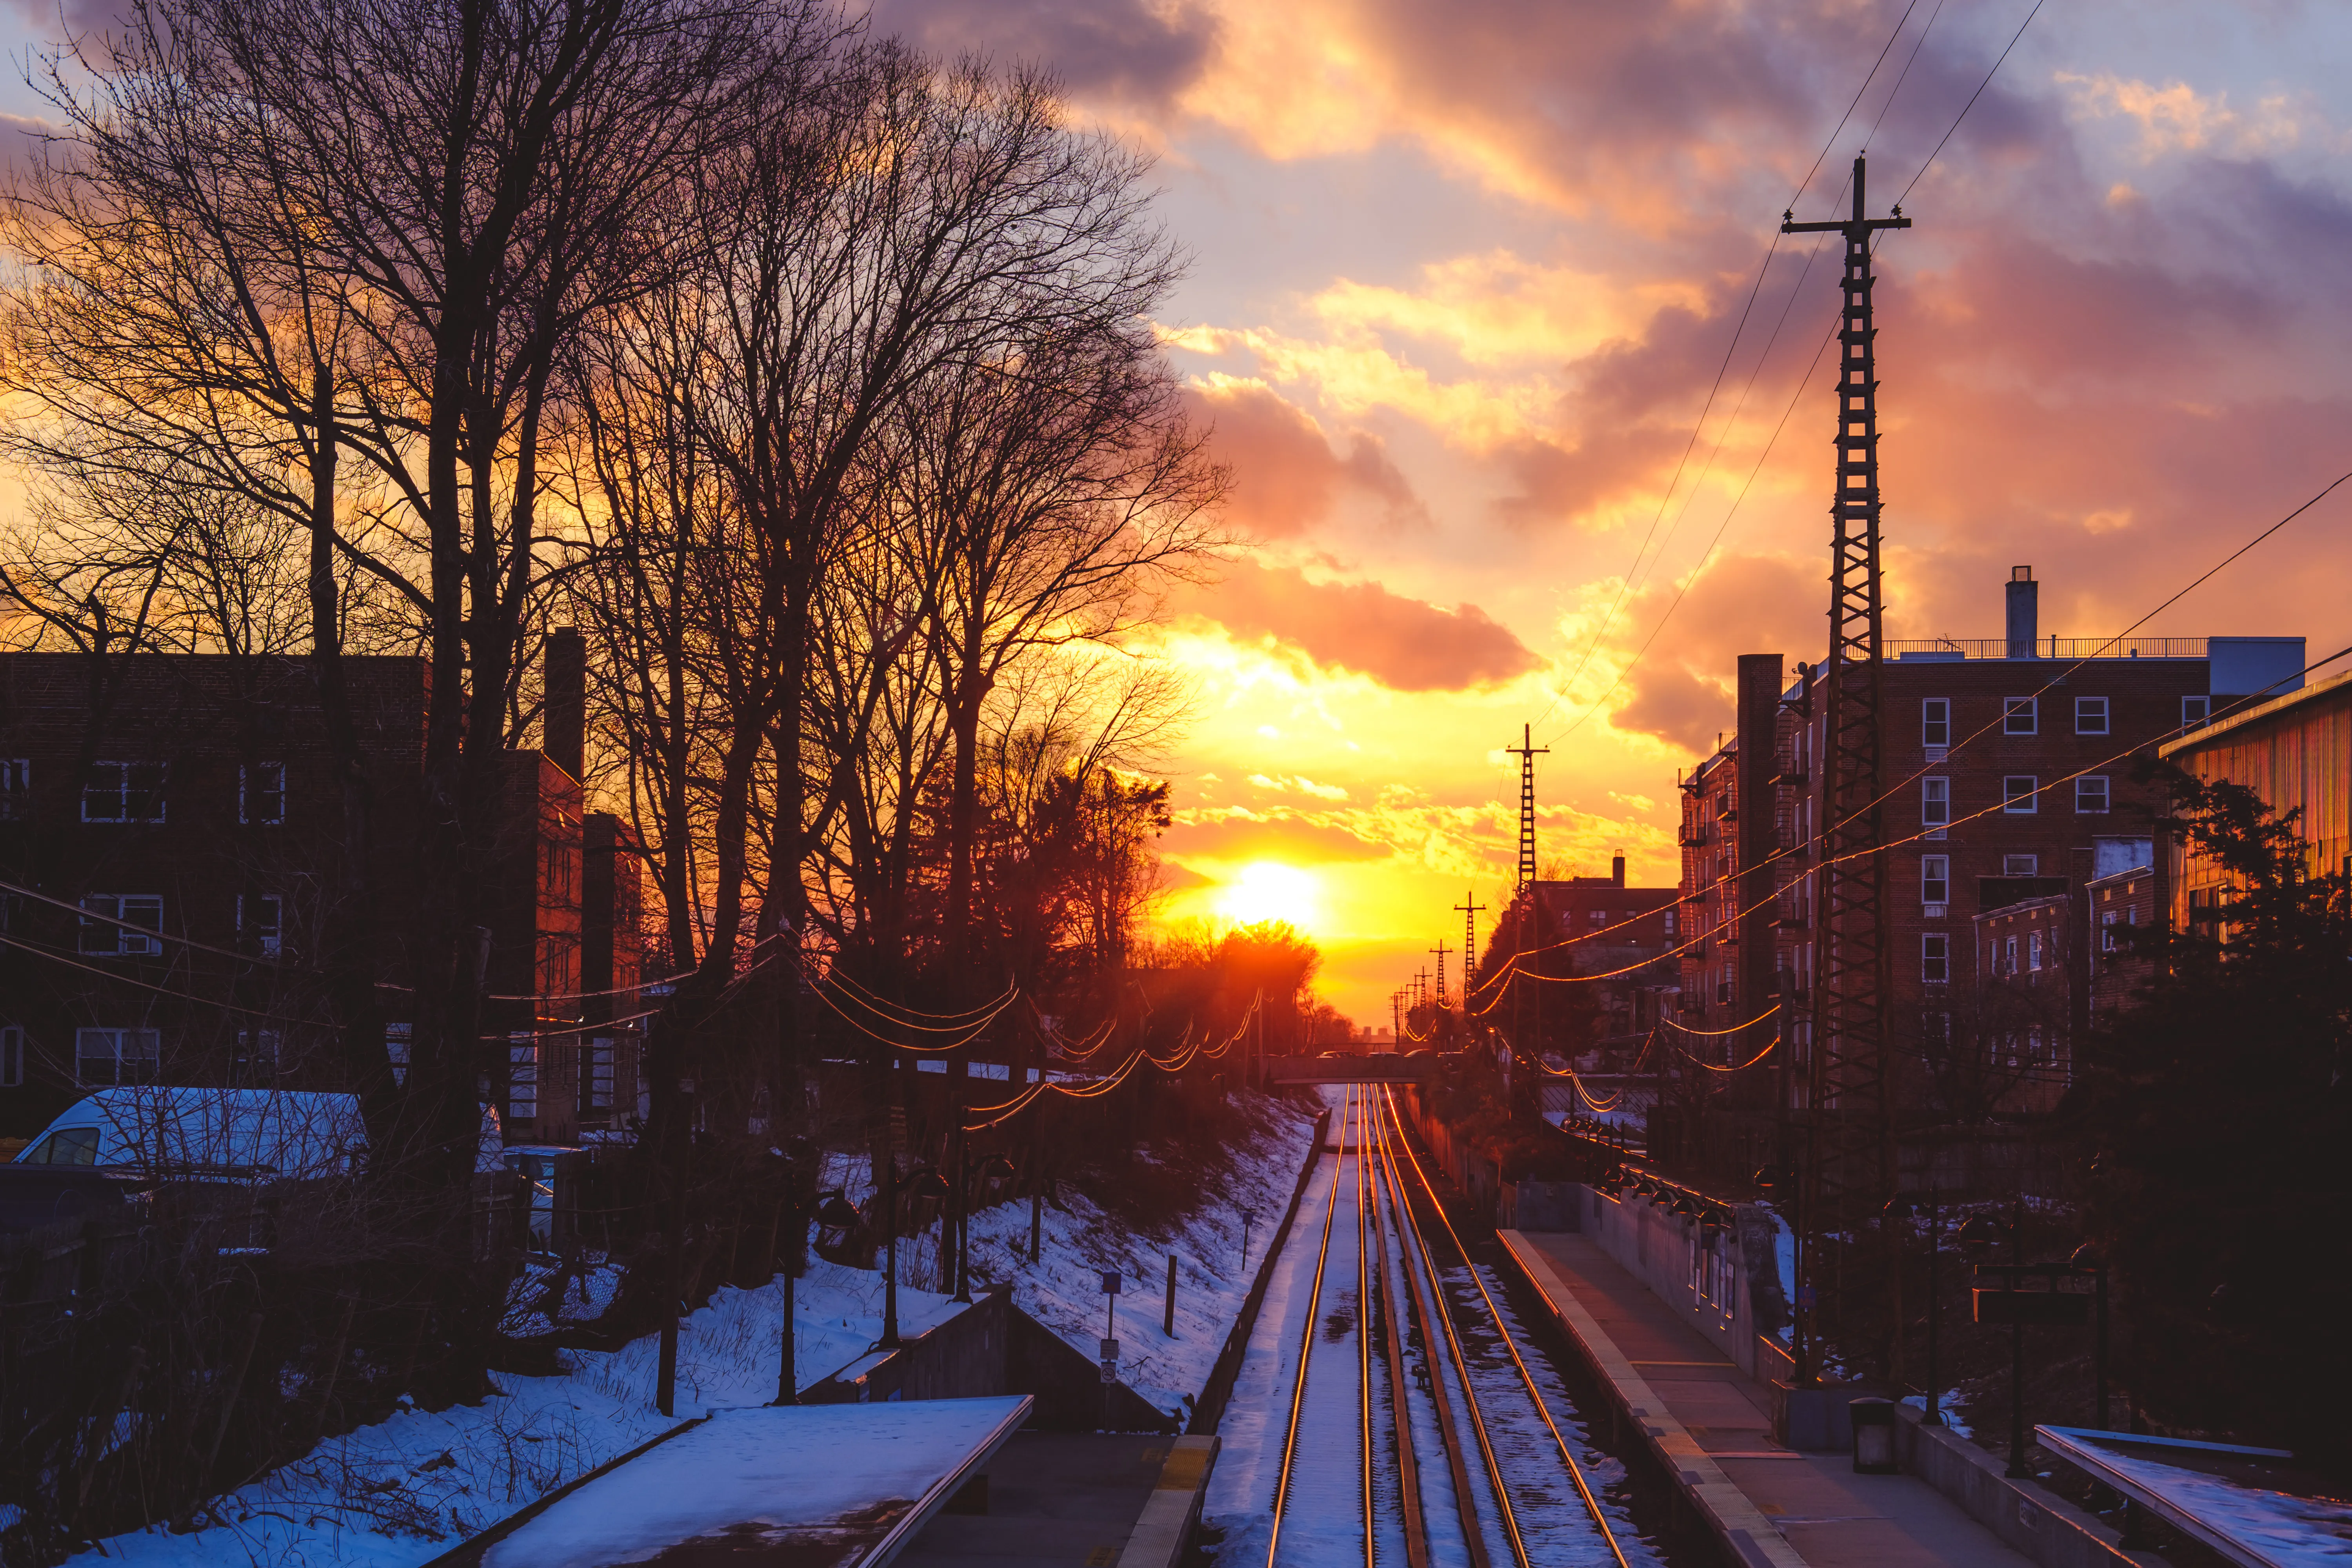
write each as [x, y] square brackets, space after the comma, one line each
[1405, 645]
[1286, 479]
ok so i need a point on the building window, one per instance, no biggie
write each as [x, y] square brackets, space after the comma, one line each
[12, 1057]
[116, 1056]
[123, 792]
[1935, 958]
[1936, 721]
[2195, 711]
[2107, 931]
[396, 1049]
[2019, 715]
[15, 789]
[1935, 880]
[599, 1085]
[1599, 917]
[2090, 715]
[261, 792]
[2008, 964]
[1935, 806]
[2017, 794]
[1670, 922]
[122, 925]
[2020, 865]
[257, 1057]
[2091, 794]
[2033, 949]
[522, 1077]
[261, 921]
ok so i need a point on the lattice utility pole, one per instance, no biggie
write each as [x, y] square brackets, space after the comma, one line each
[1441, 949]
[1527, 751]
[1469, 909]
[1851, 1164]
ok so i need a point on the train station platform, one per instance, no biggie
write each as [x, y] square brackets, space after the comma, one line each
[1710, 1426]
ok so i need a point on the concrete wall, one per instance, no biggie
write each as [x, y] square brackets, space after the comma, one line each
[1728, 1289]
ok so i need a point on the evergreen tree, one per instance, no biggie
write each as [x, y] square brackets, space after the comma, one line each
[2215, 1110]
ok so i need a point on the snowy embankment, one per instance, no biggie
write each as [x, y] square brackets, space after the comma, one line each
[404, 1489]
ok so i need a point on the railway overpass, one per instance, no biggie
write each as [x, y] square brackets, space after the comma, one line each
[1387, 1067]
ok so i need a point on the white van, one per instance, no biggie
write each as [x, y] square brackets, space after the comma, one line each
[220, 1134]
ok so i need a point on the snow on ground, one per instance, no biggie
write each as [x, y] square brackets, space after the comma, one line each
[1063, 1289]
[404, 1489]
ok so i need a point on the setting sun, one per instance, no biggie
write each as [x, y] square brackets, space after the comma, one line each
[1270, 890]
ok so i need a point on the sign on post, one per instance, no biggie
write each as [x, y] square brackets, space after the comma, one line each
[1111, 1281]
[1111, 1350]
[2035, 1294]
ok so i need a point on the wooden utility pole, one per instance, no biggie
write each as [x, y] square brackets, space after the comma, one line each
[1852, 1164]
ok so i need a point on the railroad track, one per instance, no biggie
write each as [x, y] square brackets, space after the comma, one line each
[1430, 1441]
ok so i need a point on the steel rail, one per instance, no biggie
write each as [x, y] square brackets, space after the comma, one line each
[1444, 1320]
[1394, 1307]
[1502, 1328]
[1306, 1350]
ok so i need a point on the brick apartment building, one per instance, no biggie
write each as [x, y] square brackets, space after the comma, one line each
[165, 823]
[2007, 770]
[1636, 927]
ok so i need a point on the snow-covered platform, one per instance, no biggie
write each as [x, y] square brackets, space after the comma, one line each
[2254, 1506]
[842, 1486]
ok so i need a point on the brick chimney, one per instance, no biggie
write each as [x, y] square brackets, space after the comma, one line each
[2024, 616]
[563, 727]
[1617, 870]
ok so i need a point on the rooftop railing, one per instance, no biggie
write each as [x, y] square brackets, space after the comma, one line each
[2052, 647]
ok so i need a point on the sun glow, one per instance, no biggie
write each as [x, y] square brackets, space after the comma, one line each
[1270, 890]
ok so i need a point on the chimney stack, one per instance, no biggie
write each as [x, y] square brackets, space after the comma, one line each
[2024, 616]
[563, 727]
[1617, 870]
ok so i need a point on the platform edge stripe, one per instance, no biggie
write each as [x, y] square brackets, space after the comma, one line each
[1165, 1526]
[1713, 1494]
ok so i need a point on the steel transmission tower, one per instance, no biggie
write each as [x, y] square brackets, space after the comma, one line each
[1442, 949]
[1527, 751]
[1852, 1165]
[1468, 909]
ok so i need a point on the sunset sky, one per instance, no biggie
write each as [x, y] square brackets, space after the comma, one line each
[1464, 274]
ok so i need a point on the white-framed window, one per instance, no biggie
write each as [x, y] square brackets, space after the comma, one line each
[2090, 715]
[257, 1057]
[16, 788]
[123, 792]
[261, 921]
[598, 1087]
[116, 1056]
[1936, 721]
[2020, 865]
[2091, 797]
[2009, 955]
[2033, 949]
[2195, 711]
[1935, 879]
[2020, 715]
[1935, 958]
[522, 1077]
[2019, 794]
[2107, 931]
[12, 1056]
[138, 934]
[1935, 806]
[396, 1037]
[261, 792]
